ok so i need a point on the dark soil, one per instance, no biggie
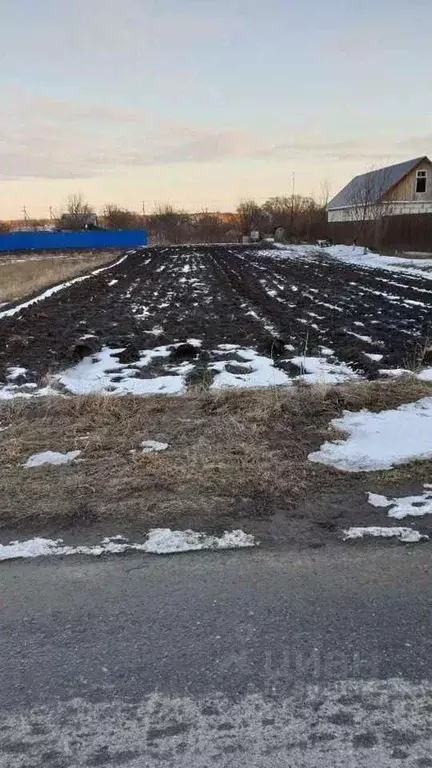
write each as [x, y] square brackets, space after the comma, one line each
[227, 294]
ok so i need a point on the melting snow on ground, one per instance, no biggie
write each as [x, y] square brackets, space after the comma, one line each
[252, 370]
[103, 373]
[426, 374]
[155, 372]
[405, 506]
[10, 391]
[14, 372]
[364, 258]
[356, 255]
[407, 535]
[50, 457]
[260, 371]
[394, 373]
[380, 440]
[319, 370]
[152, 446]
[159, 541]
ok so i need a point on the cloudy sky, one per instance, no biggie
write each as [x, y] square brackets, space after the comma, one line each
[202, 102]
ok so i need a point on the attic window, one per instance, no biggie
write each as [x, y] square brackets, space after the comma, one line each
[421, 182]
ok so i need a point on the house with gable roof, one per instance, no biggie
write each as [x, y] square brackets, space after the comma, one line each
[401, 189]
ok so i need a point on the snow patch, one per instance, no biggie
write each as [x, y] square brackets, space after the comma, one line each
[259, 371]
[377, 500]
[319, 370]
[50, 457]
[31, 548]
[159, 541]
[14, 372]
[407, 535]
[150, 446]
[380, 440]
[103, 373]
[405, 506]
[11, 391]
[394, 373]
[361, 257]
[163, 541]
[367, 339]
[425, 375]
[356, 255]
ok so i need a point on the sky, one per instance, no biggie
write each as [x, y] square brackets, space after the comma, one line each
[202, 103]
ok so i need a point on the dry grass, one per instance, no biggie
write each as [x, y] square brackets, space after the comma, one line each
[232, 455]
[24, 277]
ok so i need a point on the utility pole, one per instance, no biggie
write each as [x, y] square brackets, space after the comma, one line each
[292, 201]
[25, 214]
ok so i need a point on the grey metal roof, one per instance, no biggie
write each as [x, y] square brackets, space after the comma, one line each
[370, 187]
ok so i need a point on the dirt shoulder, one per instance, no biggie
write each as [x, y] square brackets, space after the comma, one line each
[235, 459]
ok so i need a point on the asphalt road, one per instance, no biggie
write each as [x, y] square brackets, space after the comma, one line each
[228, 659]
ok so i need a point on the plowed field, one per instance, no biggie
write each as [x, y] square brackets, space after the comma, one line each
[248, 316]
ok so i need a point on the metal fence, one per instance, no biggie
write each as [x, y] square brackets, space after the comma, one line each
[92, 238]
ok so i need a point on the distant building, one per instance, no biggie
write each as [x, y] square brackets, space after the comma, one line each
[405, 188]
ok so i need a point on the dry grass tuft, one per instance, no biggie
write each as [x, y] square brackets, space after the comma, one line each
[306, 401]
[24, 277]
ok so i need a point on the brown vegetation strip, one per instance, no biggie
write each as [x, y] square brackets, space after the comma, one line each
[24, 277]
[233, 456]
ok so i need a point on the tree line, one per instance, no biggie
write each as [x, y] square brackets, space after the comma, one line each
[295, 218]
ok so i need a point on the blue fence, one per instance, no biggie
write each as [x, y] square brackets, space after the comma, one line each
[91, 238]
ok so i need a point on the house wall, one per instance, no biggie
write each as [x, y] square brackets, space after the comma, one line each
[405, 190]
[390, 208]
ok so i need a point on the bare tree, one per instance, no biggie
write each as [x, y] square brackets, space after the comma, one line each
[209, 227]
[301, 217]
[78, 214]
[169, 225]
[324, 194]
[369, 206]
[249, 215]
[277, 206]
[115, 217]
